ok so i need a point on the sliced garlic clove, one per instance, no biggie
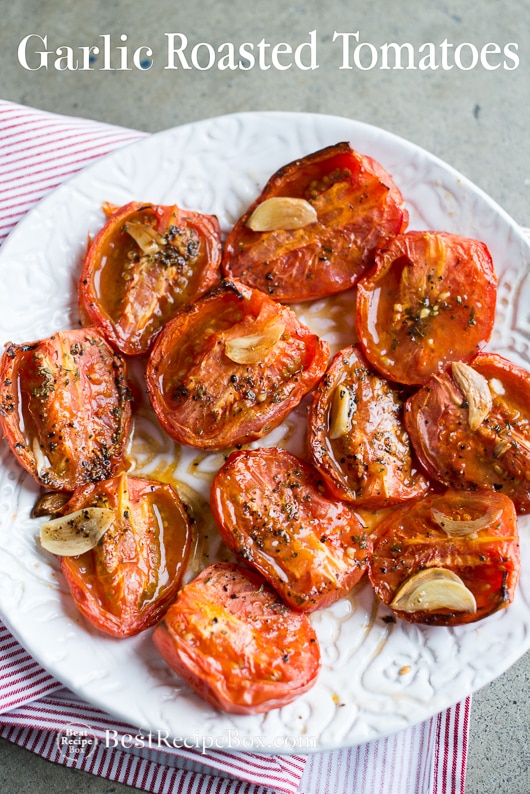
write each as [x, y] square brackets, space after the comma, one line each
[282, 212]
[432, 589]
[475, 389]
[501, 447]
[50, 504]
[77, 532]
[41, 460]
[496, 386]
[460, 529]
[253, 348]
[342, 407]
[147, 238]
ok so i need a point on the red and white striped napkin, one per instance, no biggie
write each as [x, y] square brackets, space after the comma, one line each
[38, 151]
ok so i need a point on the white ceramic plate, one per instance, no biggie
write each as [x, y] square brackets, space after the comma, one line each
[377, 677]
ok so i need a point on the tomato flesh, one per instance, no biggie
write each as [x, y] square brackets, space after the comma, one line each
[144, 265]
[357, 438]
[493, 456]
[487, 561]
[65, 408]
[239, 647]
[358, 207]
[128, 580]
[430, 300]
[206, 399]
[271, 510]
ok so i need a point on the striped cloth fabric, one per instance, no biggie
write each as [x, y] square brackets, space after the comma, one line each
[38, 151]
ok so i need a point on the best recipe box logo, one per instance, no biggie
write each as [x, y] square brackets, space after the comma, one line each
[78, 741]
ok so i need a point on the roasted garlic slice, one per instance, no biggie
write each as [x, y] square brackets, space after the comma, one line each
[342, 407]
[281, 212]
[254, 347]
[147, 238]
[475, 389]
[432, 589]
[76, 532]
[464, 527]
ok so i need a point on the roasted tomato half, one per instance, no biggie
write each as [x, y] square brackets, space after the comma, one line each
[357, 437]
[271, 510]
[429, 300]
[65, 408]
[447, 559]
[313, 230]
[470, 427]
[236, 644]
[230, 367]
[144, 265]
[125, 584]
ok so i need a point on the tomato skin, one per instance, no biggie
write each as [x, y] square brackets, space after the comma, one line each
[495, 455]
[126, 583]
[358, 207]
[488, 563]
[130, 294]
[369, 464]
[205, 399]
[429, 300]
[236, 644]
[67, 397]
[270, 509]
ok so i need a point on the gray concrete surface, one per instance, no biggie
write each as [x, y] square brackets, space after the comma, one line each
[476, 119]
